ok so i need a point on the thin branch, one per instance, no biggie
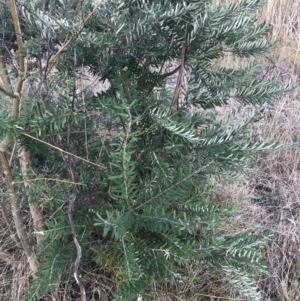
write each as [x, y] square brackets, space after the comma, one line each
[85, 115]
[63, 151]
[17, 95]
[68, 41]
[50, 179]
[7, 87]
[9, 94]
[175, 102]
[171, 72]
[144, 131]
[21, 75]
[217, 297]
[4, 73]
[18, 33]
[128, 128]
[171, 187]
[72, 200]
[73, 197]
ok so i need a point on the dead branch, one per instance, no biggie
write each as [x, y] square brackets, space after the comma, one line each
[175, 103]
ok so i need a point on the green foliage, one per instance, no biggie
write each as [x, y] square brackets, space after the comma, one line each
[141, 170]
[106, 257]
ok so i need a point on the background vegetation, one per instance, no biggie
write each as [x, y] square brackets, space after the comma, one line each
[273, 193]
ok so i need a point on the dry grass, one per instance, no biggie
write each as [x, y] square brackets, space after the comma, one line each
[279, 192]
[281, 170]
[270, 199]
[14, 278]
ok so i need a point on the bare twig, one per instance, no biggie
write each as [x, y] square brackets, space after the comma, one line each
[5, 89]
[85, 116]
[63, 151]
[175, 102]
[171, 72]
[9, 94]
[4, 75]
[50, 179]
[73, 197]
[171, 187]
[73, 231]
[18, 32]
